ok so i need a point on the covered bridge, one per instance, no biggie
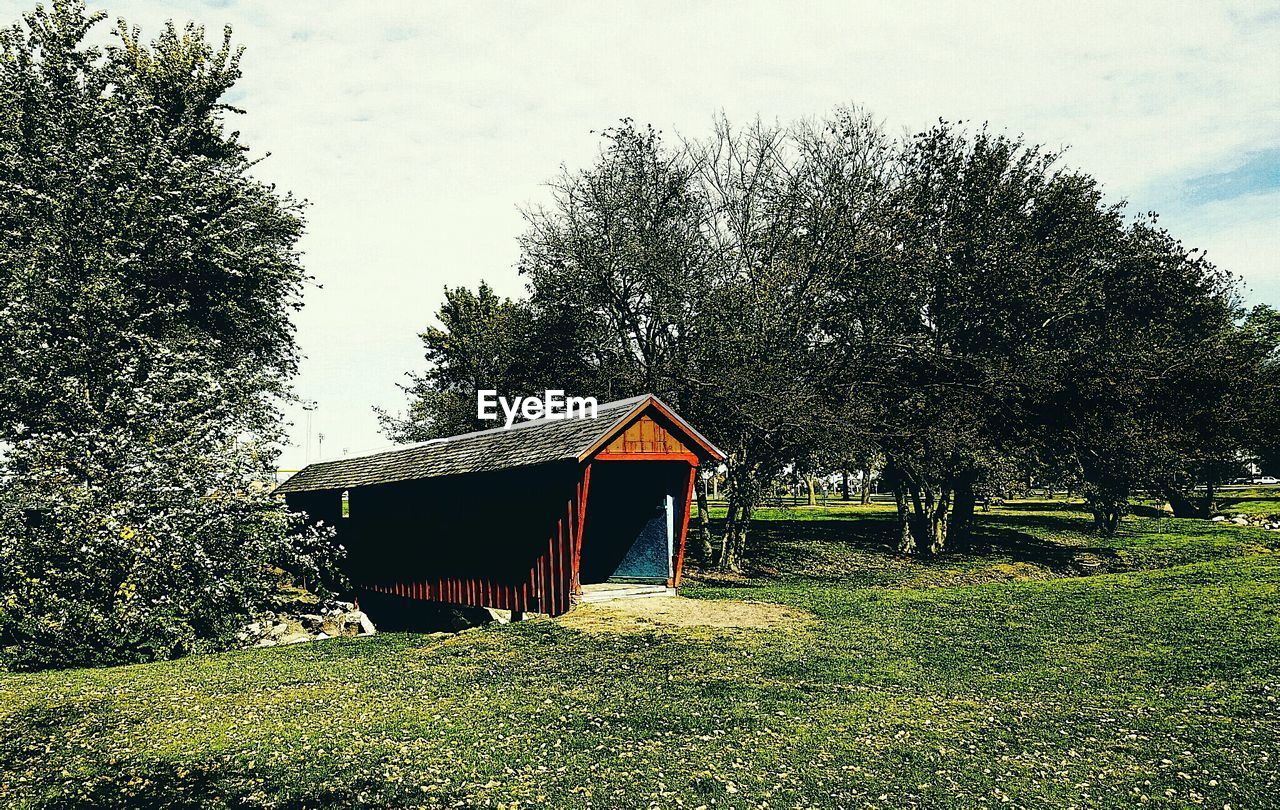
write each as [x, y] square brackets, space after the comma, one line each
[517, 518]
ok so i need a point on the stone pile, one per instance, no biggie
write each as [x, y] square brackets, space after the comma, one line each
[305, 620]
[1270, 523]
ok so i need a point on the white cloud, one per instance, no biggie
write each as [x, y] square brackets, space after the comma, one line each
[417, 128]
[1240, 234]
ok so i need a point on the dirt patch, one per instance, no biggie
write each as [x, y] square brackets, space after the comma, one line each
[671, 612]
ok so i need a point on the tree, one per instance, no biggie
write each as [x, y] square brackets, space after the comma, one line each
[765, 354]
[480, 344]
[148, 283]
[1263, 401]
[1219, 400]
[942, 328]
[1154, 360]
[670, 271]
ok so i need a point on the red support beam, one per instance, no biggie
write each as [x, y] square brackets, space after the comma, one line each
[684, 523]
[584, 491]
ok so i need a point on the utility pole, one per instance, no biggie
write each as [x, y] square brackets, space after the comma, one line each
[309, 405]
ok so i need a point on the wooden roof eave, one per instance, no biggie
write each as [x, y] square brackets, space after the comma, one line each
[712, 452]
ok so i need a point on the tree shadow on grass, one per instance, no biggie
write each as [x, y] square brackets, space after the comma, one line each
[177, 784]
[861, 549]
[1040, 506]
[103, 781]
[1083, 555]
[23, 745]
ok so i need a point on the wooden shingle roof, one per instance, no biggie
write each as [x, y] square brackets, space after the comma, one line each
[524, 444]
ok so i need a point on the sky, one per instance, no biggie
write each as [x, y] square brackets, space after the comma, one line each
[417, 130]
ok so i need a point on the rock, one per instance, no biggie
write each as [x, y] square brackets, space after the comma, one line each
[1240, 520]
[311, 621]
[298, 616]
[362, 621]
[1219, 518]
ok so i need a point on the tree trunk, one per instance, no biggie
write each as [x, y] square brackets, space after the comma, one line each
[962, 511]
[808, 481]
[906, 543]
[705, 549]
[740, 540]
[728, 539]
[924, 515]
[866, 485]
[844, 485]
[1184, 506]
[1106, 516]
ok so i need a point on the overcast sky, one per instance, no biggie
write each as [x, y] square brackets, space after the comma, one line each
[417, 129]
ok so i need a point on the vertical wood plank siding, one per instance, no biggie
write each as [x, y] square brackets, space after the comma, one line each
[553, 579]
[548, 587]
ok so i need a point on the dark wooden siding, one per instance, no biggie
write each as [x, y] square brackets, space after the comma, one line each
[509, 539]
[499, 540]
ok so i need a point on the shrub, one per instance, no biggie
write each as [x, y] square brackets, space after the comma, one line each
[142, 567]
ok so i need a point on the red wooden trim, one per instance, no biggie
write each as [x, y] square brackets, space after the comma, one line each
[574, 536]
[582, 507]
[621, 427]
[684, 523]
[539, 587]
[564, 551]
[687, 457]
[582, 526]
[557, 564]
[551, 571]
[684, 427]
[715, 452]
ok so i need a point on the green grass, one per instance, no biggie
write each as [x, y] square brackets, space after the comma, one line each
[1045, 667]
[1255, 501]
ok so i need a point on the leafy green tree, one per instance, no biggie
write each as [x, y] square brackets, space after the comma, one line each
[481, 343]
[669, 271]
[947, 338]
[1146, 400]
[766, 355]
[1263, 419]
[621, 247]
[1214, 402]
[148, 282]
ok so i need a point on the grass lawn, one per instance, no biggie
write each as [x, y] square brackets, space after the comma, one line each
[1254, 501]
[1048, 667]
